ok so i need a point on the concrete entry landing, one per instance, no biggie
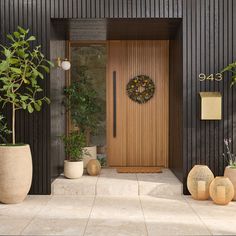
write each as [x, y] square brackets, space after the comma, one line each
[111, 183]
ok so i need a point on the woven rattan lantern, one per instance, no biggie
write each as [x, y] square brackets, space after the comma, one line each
[198, 182]
[221, 190]
[93, 167]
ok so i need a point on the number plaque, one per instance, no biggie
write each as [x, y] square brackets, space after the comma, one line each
[211, 77]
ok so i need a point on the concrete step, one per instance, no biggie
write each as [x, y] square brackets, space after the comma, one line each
[111, 183]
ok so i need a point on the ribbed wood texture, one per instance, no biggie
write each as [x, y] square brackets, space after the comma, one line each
[33, 129]
[176, 105]
[142, 129]
[209, 39]
[116, 8]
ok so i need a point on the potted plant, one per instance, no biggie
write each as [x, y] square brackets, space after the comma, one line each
[74, 148]
[84, 107]
[230, 170]
[4, 131]
[20, 69]
[232, 69]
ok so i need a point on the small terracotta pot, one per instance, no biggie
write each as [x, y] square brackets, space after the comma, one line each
[91, 154]
[231, 174]
[73, 169]
[15, 173]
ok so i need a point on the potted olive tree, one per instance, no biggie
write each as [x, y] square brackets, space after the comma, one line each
[84, 106]
[20, 68]
[74, 148]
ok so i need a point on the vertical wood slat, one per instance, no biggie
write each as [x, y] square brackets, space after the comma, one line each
[142, 129]
[32, 128]
[116, 8]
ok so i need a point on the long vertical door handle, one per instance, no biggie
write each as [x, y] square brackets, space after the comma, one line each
[114, 103]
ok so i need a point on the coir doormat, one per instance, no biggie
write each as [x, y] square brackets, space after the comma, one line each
[139, 169]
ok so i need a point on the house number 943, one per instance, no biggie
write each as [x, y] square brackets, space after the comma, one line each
[212, 77]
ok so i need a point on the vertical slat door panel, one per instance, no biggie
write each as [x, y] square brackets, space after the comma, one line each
[142, 129]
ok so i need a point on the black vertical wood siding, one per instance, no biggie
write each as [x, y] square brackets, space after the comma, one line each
[32, 128]
[116, 9]
[209, 43]
[209, 39]
[176, 104]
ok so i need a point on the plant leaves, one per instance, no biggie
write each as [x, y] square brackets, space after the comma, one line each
[4, 66]
[50, 63]
[31, 38]
[37, 106]
[30, 108]
[16, 34]
[16, 70]
[24, 98]
[23, 31]
[7, 53]
[47, 100]
[45, 68]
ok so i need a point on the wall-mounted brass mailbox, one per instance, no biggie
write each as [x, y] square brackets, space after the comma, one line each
[211, 103]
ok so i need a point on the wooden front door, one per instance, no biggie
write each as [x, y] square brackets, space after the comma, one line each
[137, 134]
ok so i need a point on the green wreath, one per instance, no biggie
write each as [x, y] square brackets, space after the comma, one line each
[140, 89]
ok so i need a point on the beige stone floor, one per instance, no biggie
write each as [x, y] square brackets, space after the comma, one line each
[112, 215]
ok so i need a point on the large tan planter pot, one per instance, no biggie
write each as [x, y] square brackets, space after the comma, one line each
[91, 154]
[73, 169]
[15, 173]
[231, 174]
[221, 190]
[198, 182]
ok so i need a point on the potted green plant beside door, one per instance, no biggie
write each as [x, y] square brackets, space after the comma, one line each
[20, 68]
[74, 148]
[84, 106]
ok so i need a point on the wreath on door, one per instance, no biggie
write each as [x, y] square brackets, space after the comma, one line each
[140, 89]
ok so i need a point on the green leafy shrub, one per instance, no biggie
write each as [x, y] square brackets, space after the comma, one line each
[232, 69]
[83, 104]
[4, 131]
[74, 144]
[20, 68]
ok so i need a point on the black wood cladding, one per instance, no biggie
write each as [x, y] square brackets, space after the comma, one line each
[209, 43]
[209, 39]
[176, 104]
[32, 128]
[116, 9]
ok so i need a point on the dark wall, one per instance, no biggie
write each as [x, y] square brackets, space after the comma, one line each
[58, 48]
[58, 113]
[209, 39]
[32, 128]
[176, 104]
[116, 8]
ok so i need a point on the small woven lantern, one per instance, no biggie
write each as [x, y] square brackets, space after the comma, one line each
[221, 190]
[93, 167]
